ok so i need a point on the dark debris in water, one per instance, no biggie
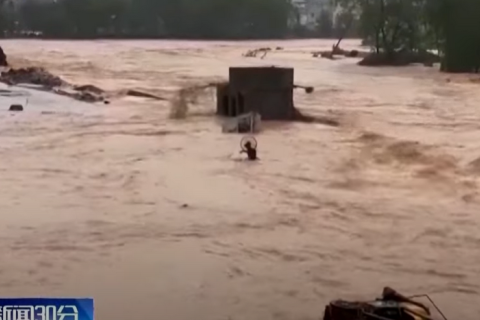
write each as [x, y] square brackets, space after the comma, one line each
[16, 107]
[44, 80]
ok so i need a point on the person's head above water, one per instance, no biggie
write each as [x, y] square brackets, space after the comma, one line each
[248, 145]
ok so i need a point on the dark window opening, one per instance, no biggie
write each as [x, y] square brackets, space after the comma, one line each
[225, 106]
[241, 104]
[234, 111]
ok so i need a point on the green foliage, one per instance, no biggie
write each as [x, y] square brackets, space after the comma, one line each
[450, 26]
[391, 24]
[158, 18]
[48, 17]
[458, 21]
[7, 18]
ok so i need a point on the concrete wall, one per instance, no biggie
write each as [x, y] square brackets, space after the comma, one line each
[277, 106]
[266, 90]
[261, 78]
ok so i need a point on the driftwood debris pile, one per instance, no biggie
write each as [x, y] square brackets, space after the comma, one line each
[400, 58]
[49, 82]
[31, 75]
[260, 51]
[337, 51]
[52, 83]
[369, 58]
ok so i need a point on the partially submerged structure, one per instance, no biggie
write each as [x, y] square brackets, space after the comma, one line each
[267, 91]
[249, 122]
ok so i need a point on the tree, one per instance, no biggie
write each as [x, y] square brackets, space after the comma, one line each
[49, 17]
[7, 16]
[457, 25]
[450, 26]
[159, 18]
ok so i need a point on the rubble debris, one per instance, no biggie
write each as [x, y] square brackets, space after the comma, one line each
[32, 75]
[336, 51]
[255, 52]
[49, 82]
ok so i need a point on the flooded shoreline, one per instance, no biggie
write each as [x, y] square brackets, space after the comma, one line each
[92, 199]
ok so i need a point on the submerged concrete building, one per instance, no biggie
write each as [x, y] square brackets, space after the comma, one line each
[267, 91]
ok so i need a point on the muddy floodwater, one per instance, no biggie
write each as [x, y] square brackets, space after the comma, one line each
[158, 219]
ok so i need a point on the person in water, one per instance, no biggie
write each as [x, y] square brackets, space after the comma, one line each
[250, 151]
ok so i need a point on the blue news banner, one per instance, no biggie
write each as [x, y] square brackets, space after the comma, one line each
[46, 309]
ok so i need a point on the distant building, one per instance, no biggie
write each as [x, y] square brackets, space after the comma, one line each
[310, 11]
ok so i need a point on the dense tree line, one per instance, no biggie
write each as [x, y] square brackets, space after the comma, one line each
[451, 27]
[153, 18]
[458, 24]
[203, 19]
[393, 27]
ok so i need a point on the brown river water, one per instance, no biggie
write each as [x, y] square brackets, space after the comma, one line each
[159, 219]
